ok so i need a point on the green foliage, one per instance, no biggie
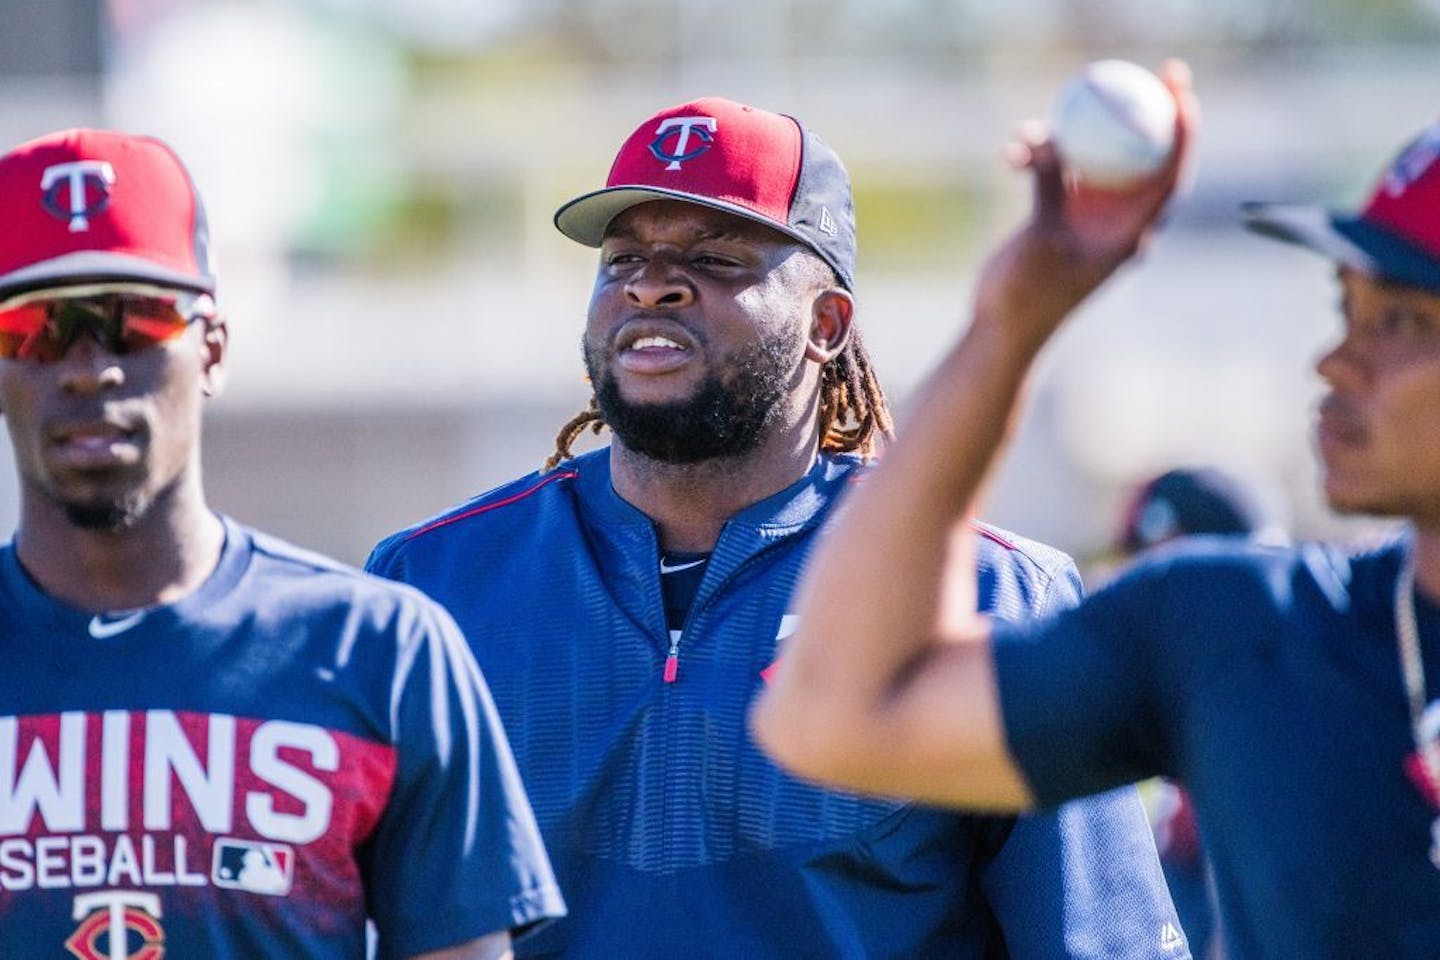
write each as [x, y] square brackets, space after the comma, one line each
[916, 222]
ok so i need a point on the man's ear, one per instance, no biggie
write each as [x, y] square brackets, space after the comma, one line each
[215, 347]
[830, 319]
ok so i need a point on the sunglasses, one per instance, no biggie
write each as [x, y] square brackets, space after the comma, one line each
[122, 318]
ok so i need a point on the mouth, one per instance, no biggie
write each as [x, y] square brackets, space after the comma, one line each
[95, 444]
[1337, 428]
[654, 347]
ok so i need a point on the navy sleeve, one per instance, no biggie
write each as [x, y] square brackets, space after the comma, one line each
[1083, 880]
[1080, 692]
[457, 854]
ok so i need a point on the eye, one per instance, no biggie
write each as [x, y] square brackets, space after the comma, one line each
[715, 260]
[620, 258]
[1408, 321]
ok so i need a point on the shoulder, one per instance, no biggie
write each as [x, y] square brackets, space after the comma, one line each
[1000, 547]
[513, 502]
[296, 582]
[1020, 576]
[1221, 586]
[1329, 572]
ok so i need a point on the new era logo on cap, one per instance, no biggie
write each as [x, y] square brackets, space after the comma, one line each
[718, 153]
[1395, 236]
[95, 205]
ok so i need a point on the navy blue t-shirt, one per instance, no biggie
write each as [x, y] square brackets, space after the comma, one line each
[1268, 681]
[248, 772]
[672, 833]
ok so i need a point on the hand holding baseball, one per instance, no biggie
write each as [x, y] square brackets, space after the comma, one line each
[1079, 232]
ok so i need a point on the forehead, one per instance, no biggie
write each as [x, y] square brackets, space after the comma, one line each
[1375, 289]
[679, 221]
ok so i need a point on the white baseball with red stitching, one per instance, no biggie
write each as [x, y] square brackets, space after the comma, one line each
[1113, 123]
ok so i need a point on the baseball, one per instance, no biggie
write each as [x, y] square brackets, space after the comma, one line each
[1113, 123]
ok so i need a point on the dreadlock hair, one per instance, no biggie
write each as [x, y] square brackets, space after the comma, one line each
[854, 415]
[574, 427]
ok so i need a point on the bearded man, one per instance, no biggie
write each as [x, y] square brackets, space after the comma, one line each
[626, 604]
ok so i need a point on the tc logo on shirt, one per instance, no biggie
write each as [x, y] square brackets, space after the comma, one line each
[117, 923]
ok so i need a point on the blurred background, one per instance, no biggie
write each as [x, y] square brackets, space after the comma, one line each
[380, 177]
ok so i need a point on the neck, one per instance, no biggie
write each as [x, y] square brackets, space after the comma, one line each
[690, 503]
[161, 558]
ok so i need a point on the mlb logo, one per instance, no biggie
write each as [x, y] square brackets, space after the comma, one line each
[253, 867]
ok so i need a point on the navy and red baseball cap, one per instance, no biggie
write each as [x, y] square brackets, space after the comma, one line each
[1396, 236]
[1189, 501]
[763, 166]
[98, 206]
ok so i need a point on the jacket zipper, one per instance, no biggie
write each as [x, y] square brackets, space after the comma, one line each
[672, 654]
[672, 658]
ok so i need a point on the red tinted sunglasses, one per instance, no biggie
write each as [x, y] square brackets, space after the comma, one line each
[122, 318]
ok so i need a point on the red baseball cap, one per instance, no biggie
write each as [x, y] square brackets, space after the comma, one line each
[763, 166]
[1397, 234]
[96, 205]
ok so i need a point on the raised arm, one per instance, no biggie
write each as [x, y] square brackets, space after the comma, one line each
[887, 686]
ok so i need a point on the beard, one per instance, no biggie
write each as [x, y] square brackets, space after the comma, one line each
[726, 416]
[106, 517]
[121, 507]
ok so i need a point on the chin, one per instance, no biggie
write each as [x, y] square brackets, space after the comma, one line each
[1349, 501]
[112, 514]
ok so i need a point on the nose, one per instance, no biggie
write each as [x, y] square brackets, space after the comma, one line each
[87, 368]
[1343, 365]
[659, 284]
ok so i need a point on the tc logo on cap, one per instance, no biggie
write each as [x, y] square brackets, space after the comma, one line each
[680, 128]
[77, 177]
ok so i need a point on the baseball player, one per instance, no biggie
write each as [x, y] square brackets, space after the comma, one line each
[626, 604]
[1290, 689]
[212, 744]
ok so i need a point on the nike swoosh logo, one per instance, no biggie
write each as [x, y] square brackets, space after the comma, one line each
[102, 628]
[667, 568]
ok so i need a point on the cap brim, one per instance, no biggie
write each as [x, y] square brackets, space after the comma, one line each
[1351, 241]
[586, 218]
[91, 266]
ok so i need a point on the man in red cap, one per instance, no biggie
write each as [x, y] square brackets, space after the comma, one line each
[626, 604]
[1288, 689]
[212, 744]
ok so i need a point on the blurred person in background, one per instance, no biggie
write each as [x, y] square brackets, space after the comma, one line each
[212, 744]
[1190, 501]
[626, 603]
[1289, 689]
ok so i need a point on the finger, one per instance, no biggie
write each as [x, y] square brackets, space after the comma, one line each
[1016, 154]
[1027, 136]
[1177, 77]
[1049, 182]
